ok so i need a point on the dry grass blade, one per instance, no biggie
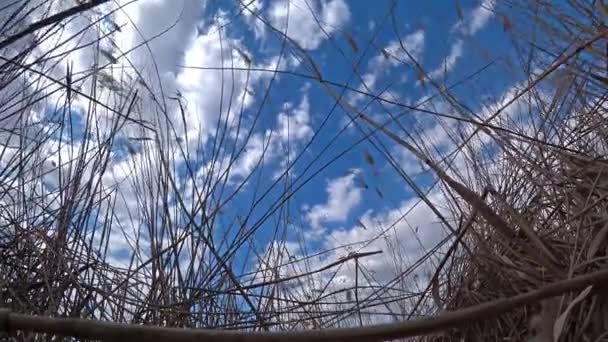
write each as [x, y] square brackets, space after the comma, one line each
[124, 216]
[558, 327]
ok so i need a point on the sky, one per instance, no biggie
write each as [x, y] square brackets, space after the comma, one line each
[351, 196]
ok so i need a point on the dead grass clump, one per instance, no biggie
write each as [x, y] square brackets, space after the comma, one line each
[569, 216]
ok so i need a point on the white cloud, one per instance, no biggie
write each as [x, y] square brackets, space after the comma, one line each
[450, 61]
[253, 155]
[476, 19]
[440, 136]
[292, 126]
[206, 94]
[413, 43]
[471, 24]
[170, 29]
[342, 196]
[295, 127]
[381, 65]
[403, 234]
[369, 80]
[407, 231]
[146, 20]
[480, 16]
[301, 24]
[209, 92]
[255, 6]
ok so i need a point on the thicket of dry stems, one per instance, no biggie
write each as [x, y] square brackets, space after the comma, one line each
[548, 187]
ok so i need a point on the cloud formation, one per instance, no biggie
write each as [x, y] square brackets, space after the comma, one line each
[302, 22]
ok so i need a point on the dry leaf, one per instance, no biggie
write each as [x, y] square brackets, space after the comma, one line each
[360, 224]
[561, 320]
[435, 293]
[351, 41]
[115, 26]
[420, 76]
[368, 158]
[597, 242]
[107, 54]
[459, 10]
[243, 55]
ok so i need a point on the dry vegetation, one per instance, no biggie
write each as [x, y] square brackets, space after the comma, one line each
[535, 217]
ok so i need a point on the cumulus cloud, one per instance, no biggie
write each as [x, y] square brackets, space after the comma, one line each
[252, 7]
[342, 197]
[173, 37]
[300, 19]
[473, 22]
[477, 18]
[208, 93]
[407, 232]
[442, 135]
[450, 60]
[292, 126]
[403, 234]
[179, 37]
[295, 127]
[413, 43]
[257, 152]
[393, 56]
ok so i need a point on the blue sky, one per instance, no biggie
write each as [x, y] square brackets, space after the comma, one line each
[349, 200]
[450, 40]
[438, 33]
[339, 203]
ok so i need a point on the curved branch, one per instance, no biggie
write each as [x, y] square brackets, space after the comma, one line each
[107, 331]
